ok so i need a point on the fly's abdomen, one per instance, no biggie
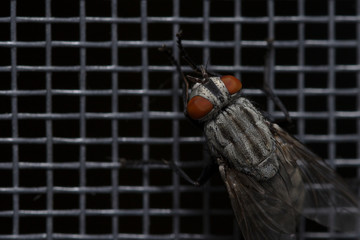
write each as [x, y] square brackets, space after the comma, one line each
[240, 134]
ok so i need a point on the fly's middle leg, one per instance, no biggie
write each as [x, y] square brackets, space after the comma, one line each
[205, 175]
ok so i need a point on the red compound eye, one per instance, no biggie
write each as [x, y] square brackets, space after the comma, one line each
[232, 84]
[198, 107]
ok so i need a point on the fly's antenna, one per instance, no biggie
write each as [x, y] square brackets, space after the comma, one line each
[170, 55]
[266, 88]
[185, 55]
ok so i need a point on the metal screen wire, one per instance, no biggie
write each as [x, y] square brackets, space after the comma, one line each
[85, 96]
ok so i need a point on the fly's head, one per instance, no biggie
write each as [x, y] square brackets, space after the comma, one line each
[206, 94]
[209, 94]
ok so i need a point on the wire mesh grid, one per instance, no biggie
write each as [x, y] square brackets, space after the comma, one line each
[84, 89]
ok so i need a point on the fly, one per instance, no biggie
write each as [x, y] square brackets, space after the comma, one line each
[270, 176]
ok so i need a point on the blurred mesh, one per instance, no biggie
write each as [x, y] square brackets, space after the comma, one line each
[83, 89]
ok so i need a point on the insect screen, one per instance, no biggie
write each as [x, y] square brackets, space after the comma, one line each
[86, 99]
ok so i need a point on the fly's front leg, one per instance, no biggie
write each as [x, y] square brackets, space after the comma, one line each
[205, 175]
[268, 78]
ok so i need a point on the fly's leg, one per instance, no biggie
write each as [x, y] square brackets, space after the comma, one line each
[205, 175]
[199, 70]
[184, 54]
[267, 75]
[178, 69]
[170, 55]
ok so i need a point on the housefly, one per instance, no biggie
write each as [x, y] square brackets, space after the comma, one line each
[270, 176]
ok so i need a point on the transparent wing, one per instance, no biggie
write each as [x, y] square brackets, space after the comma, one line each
[270, 209]
[263, 209]
[327, 198]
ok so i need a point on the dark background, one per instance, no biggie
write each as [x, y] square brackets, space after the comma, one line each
[185, 209]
